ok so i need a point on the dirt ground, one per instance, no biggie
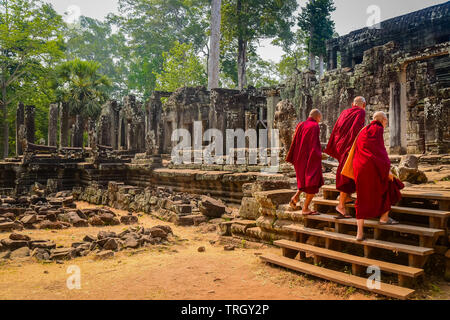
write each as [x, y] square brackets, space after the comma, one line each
[176, 271]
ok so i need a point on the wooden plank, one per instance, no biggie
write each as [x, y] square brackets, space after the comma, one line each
[396, 209]
[340, 256]
[395, 247]
[409, 193]
[404, 228]
[336, 276]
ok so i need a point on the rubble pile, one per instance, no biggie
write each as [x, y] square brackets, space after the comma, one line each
[57, 211]
[101, 246]
[176, 207]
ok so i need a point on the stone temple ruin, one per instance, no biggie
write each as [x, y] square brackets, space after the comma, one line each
[403, 68]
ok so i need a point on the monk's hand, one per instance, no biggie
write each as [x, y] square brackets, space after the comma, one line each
[391, 177]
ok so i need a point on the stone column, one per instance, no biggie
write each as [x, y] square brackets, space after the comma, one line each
[130, 137]
[77, 132]
[273, 99]
[30, 123]
[53, 125]
[20, 119]
[115, 109]
[394, 118]
[64, 125]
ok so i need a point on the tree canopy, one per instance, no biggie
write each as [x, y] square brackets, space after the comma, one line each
[315, 21]
[149, 45]
[82, 87]
[31, 42]
[244, 22]
[181, 68]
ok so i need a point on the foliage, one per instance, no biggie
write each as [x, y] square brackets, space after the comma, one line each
[181, 68]
[152, 27]
[81, 85]
[295, 58]
[31, 43]
[246, 21]
[315, 21]
[94, 40]
[257, 19]
[261, 73]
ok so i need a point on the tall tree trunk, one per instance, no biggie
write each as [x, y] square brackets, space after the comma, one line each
[321, 66]
[5, 140]
[242, 49]
[242, 63]
[312, 61]
[214, 54]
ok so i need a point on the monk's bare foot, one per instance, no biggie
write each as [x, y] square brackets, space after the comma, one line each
[309, 213]
[343, 213]
[293, 203]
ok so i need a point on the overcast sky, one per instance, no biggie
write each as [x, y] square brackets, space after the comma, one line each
[349, 15]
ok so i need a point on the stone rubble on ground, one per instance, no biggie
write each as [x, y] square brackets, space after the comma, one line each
[103, 245]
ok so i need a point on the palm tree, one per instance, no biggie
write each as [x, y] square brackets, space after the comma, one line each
[83, 88]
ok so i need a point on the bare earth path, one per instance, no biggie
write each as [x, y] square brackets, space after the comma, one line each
[176, 271]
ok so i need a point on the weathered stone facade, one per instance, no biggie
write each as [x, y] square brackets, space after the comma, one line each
[402, 69]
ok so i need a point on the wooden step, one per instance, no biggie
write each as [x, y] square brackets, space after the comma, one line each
[340, 256]
[417, 256]
[442, 197]
[403, 228]
[336, 276]
[396, 209]
[409, 193]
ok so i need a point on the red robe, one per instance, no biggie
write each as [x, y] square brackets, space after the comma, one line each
[305, 154]
[371, 166]
[347, 127]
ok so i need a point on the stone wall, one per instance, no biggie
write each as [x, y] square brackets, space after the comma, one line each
[409, 87]
[411, 32]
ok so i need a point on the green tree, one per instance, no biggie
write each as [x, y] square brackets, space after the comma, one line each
[295, 58]
[315, 21]
[30, 42]
[181, 68]
[260, 73]
[94, 40]
[152, 27]
[80, 84]
[246, 21]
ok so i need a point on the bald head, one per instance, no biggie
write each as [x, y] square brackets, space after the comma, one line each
[381, 117]
[316, 115]
[360, 102]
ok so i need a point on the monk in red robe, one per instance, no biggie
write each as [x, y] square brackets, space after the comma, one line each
[345, 131]
[371, 168]
[305, 154]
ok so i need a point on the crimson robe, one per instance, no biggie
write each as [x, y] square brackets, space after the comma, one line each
[305, 154]
[345, 131]
[371, 167]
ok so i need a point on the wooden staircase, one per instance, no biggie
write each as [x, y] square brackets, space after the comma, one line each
[401, 250]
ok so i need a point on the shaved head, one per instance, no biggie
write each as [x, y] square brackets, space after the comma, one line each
[316, 114]
[360, 102]
[381, 117]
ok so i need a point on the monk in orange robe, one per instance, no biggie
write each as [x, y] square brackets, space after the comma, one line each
[374, 182]
[345, 131]
[305, 154]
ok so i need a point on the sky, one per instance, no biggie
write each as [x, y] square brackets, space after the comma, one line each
[349, 15]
